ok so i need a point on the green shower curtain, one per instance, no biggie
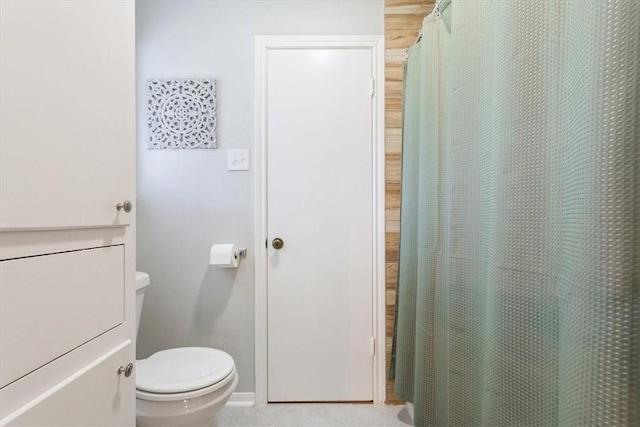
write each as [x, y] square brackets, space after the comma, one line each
[518, 292]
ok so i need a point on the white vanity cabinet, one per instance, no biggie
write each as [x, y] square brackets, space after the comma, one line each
[67, 213]
[78, 401]
[68, 112]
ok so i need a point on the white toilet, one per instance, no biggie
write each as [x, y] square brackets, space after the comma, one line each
[181, 386]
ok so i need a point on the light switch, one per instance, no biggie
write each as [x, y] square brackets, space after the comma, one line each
[238, 160]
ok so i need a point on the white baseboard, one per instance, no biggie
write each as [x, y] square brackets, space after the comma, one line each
[242, 399]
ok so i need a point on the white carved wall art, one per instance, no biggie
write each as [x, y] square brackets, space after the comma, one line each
[181, 113]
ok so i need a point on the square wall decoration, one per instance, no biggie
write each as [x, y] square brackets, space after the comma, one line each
[181, 113]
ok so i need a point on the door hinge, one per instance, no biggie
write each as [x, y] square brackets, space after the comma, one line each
[373, 345]
[372, 87]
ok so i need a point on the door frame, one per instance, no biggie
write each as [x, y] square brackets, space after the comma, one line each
[262, 46]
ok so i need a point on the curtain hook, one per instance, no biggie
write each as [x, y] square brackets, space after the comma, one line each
[436, 9]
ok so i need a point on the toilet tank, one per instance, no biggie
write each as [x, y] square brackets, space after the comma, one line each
[142, 281]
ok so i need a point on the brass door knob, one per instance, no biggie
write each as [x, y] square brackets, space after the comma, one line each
[277, 243]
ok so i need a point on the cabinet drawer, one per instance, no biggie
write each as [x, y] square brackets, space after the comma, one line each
[51, 304]
[96, 395]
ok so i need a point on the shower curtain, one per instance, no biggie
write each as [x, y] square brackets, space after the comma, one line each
[518, 294]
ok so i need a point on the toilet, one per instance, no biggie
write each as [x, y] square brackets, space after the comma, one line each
[183, 386]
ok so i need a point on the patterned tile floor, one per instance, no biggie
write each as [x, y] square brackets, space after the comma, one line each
[315, 414]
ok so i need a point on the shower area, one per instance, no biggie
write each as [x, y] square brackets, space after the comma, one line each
[517, 295]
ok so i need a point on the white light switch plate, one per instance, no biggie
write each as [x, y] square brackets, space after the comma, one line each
[238, 160]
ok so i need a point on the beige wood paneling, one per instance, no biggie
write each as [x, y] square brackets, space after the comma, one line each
[402, 22]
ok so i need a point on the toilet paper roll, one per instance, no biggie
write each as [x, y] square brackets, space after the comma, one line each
[224, 256]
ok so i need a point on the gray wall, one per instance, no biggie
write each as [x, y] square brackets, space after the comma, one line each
[187, 200]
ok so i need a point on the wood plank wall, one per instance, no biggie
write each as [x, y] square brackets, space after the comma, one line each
[402, 21]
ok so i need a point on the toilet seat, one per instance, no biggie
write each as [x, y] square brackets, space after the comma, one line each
[178, 372]
[168, 397]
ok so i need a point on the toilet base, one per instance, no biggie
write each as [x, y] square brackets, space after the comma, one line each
[199, 411]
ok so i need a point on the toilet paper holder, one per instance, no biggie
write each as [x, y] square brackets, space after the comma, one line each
[240, 253]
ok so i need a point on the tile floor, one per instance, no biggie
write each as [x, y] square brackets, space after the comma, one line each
[315, 414]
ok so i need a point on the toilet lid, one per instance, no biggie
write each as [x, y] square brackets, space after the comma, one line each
[182, 369]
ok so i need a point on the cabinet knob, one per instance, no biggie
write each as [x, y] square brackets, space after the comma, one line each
[126, 205]
[126, 369]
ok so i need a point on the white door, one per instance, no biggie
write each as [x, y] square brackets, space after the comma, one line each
[320, 204]
[67, 158]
